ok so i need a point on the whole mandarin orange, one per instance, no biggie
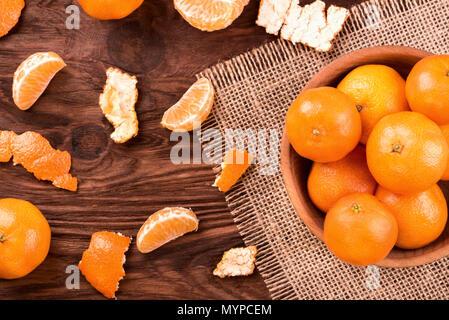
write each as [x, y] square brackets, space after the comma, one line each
[427, 88]
[445, 130]
[407, 152]
[109, 9]
[328, 182]
[378, 90]
[24, 238]
[421, 217]
[323, 124]
[360, 230]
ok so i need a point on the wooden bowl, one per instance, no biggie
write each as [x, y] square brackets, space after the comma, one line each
[295, 169]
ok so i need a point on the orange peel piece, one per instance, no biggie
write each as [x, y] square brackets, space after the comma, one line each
[36, 155]
[102, 263]
[10, 11]
[237, 262]
[164, 226]
[235, 163]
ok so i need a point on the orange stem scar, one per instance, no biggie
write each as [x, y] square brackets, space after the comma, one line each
[397, 148]
[356, 208]
[316, 132]
[2, 238]
[359, 108]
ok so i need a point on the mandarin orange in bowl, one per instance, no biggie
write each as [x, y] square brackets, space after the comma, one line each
[328, 182]
[360, 230]
[421, 216]
[378, 90]
[427, 88]
[296, 169]
[323, 124]
[407, 152]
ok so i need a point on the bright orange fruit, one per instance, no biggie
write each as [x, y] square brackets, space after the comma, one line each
[192, 109]
[102, 263]
[37, 156]
[445, 131]
[360, 230]
[427, 88]
[235, 163]
[164, 226]
[10, 11]
[378, 90]
[328, 182]
[109, 9]
[323, 124]
[421, 216]
[24, 238]
[33, 76]
[407, 152]
[210, 15]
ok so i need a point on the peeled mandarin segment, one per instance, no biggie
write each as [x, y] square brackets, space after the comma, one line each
[109, 9]
[33, 76]
[234, 165]
[164, 226]
[118, 102]
[102, 263]
[10, 11]
[210, 15]
[192, 109]
[237, 262]
[36, 155]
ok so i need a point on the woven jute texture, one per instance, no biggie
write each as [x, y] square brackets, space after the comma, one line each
[254, 91]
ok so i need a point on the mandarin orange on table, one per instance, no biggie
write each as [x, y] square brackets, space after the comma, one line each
[210, 15]
[378, 90]
[360, 230]
[328, 182]
[102, 263]
[109, 9]
[427, 88]
[10, 11]
[164, 226]
[421, 216]
[323, 124]
[33, 76]
[24, 238]
[445, 131]
[407, 152]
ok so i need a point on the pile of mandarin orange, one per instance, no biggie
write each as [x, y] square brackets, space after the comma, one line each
[379, 145]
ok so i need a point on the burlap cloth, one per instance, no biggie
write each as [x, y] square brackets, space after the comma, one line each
[254, 90]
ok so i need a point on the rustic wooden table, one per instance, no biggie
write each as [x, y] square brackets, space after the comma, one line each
[121, 185]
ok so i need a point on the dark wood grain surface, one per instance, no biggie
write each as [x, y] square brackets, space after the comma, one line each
[121, 185]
